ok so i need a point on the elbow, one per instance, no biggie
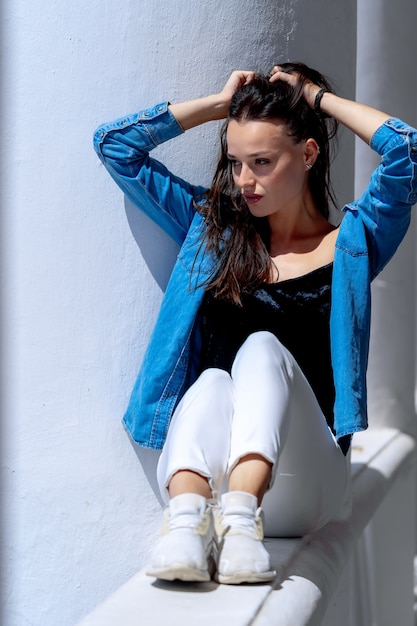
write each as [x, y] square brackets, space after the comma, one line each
[98, 140]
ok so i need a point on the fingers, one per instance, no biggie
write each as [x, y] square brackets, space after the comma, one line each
[278, 74]
[275, 69]
[244, 76]
[237, 79]
[249, 77]
[309, 89]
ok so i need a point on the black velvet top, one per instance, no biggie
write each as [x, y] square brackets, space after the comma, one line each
[296, 311]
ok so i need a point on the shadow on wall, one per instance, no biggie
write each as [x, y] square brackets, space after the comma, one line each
[159, 253]
[148, 460]
[158, 250]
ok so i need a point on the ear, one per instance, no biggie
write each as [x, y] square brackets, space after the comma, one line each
[311, 151]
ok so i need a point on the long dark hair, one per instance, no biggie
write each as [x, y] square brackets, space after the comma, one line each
[240, 241]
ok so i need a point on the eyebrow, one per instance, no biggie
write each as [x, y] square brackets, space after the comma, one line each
[254, 154]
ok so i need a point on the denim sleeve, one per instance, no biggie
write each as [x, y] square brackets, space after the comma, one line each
[385, 206]
[123, 146]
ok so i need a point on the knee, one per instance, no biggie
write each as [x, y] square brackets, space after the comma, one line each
[262, 340]
[214, 388]
[215, 379]
[262, 348]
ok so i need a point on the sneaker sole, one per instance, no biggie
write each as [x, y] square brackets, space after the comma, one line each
[245, 577]
[180, 572]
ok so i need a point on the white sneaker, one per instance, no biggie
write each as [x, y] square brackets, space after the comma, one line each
[242, 555]
[184, 551]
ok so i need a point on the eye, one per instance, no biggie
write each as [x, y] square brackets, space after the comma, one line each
[262, 162]
[233, 163]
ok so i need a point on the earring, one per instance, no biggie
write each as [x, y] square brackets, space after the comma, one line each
[308, 166]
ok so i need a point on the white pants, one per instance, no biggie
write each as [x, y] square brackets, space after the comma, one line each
[265, 407]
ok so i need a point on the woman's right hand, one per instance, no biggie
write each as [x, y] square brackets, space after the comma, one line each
[237, 79]
[214, 107]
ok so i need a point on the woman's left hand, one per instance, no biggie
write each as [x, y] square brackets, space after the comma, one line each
[363, 120]
[310, 90]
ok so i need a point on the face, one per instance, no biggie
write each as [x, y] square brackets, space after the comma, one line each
[268, 167]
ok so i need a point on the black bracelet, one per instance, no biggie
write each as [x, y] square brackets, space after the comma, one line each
[317, 101]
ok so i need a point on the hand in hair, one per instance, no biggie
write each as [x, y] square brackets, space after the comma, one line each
[213, 107]
[237, 79]
[296, 80]
[363, 120]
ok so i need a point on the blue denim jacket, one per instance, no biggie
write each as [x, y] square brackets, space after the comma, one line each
[371, 231]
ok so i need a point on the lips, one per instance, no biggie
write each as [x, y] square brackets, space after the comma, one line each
[252, 198]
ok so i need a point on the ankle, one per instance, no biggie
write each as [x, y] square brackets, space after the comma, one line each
[186, 481]
[251, 474]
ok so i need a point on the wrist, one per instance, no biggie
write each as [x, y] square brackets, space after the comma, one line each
[219, 104]
[317, 102]
[195, 112]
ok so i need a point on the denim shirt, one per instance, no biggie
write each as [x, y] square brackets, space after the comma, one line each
[371, 230]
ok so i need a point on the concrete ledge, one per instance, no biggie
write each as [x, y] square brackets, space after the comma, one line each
[308, 569]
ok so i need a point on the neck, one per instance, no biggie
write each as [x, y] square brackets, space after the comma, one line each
[295, 229]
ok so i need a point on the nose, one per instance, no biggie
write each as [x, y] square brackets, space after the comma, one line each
[246, 179]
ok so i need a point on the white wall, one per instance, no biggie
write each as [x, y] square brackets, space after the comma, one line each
[83, 273]
[387, 79]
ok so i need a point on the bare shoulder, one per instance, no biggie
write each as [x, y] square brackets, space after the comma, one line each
[330, 238]
[325, 249]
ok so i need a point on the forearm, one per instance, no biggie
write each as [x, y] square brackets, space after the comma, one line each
[127, 141]
[361, 119]
[124, 146]
[195, 112]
